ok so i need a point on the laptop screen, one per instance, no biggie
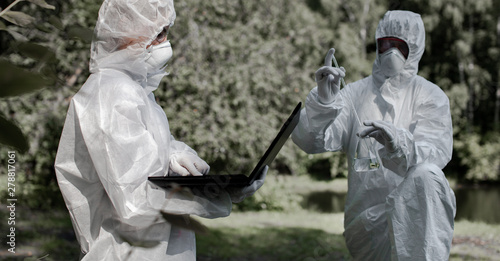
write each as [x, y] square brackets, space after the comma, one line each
[278, 142]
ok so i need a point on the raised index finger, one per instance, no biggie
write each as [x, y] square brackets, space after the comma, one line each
[329, 57]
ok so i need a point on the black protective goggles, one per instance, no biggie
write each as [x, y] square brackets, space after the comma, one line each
[387, 43]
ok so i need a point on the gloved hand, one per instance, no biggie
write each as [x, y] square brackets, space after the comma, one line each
[185, 163]
[384, 132]
[239, 194]
[328, 79]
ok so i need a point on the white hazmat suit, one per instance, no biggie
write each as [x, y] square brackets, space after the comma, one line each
[405, 209]
[116, 135]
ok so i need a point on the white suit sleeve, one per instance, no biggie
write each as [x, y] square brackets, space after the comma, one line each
[179, 146]
[429, 139]
[314, 132]
[125, 153]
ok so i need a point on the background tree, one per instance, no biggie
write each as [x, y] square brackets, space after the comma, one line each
[50, 50]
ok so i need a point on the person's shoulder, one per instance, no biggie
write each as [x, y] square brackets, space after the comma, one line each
[109, 87]
[428, 86]
[429, 91]
[116, 81]
[118, 86]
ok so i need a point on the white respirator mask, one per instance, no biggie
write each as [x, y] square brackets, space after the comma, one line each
[392, 62]
[158, 56]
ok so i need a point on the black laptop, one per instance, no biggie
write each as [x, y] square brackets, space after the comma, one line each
[235, 180]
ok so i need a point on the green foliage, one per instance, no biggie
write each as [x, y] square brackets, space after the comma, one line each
[47, 54]
[16, 80]
[19, 81]
[11, 135]
[479, 158]
[232, 84]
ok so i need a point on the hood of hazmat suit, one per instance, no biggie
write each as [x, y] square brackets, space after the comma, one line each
[116, 135]
[405, 208]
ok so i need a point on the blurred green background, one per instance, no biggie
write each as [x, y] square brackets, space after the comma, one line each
[239, 68]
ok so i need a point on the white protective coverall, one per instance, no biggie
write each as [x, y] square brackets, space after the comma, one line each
[405, 209]
[115, 136]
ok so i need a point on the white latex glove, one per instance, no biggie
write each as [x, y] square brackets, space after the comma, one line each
[328, 79]
[239, 194]
[185, 163]
[383, 132]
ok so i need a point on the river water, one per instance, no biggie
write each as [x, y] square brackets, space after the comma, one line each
[473, 204]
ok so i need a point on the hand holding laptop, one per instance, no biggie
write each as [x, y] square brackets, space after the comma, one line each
[187, 164]
[238, 194]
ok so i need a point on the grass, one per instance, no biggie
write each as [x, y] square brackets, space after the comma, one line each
[304, 235]
[270, 235]
[44, 235]
[290, 234]
[475, 241]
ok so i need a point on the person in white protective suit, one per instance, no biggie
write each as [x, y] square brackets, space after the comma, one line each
[405, 208]
[116, 135]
